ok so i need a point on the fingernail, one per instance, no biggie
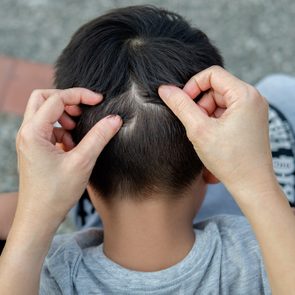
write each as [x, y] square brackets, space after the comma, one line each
[99, 97]
[165, 90]
[115, 120]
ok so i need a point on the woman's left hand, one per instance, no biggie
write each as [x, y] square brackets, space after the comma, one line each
[52, 179]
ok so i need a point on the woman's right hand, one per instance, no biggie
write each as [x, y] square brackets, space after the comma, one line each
[229, 130]
[228, 126]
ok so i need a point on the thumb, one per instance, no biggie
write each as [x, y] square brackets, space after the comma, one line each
[98, 137]
[182, 105]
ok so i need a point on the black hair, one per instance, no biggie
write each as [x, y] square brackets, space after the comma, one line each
[126, 55]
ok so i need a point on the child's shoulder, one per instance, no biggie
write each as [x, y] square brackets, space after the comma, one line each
[237, 252]
[234, 233]
[76, 242]
[225, 224]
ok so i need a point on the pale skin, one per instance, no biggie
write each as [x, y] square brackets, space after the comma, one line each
[229, 109]
[7, 210]
[139, 235]
[8, 202]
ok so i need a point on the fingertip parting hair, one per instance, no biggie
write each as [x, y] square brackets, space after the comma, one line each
[126, 55]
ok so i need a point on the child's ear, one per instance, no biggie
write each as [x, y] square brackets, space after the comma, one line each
[209, 177]
[91, 193]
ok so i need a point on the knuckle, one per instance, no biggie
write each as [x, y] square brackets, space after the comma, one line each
[216, 68]
[24, 136]
[58, 96]
[65, 94]
[253, 95]
[255, 99]
[24, 133]
[101, 135]
[180, 104]
[36, 92]
[36, 95]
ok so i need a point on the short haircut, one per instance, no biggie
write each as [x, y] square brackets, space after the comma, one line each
[126, 55]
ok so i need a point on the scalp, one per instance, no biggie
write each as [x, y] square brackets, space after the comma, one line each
[126, 55]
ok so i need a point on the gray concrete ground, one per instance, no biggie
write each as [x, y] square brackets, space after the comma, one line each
[256, 37]
[9, 125]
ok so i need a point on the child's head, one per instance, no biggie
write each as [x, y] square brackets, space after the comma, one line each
[126, 55]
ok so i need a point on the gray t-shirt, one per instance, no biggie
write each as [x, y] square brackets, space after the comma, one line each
[225, 259]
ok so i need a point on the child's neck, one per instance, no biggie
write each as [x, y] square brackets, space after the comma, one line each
[150, 235]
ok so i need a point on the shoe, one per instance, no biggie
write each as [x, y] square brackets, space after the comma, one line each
[282, 142]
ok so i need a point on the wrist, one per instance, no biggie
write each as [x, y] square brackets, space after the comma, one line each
[38, 211]
[34, 237]
[258, 184]
[23, 256]
[257, 194]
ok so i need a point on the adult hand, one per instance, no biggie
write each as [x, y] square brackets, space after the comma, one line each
[229, 130]
[228, 126]
[51, 179]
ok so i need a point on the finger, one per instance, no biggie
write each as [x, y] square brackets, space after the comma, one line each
[67, 142]
[73, 110]
[97, 138]
[211, 101]
[219, 112]
[62, 136]
[52, 109]
[36, 99]
[182, 105]
[66, 121]
[220, 81]
[60, 146]
[207, 102]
